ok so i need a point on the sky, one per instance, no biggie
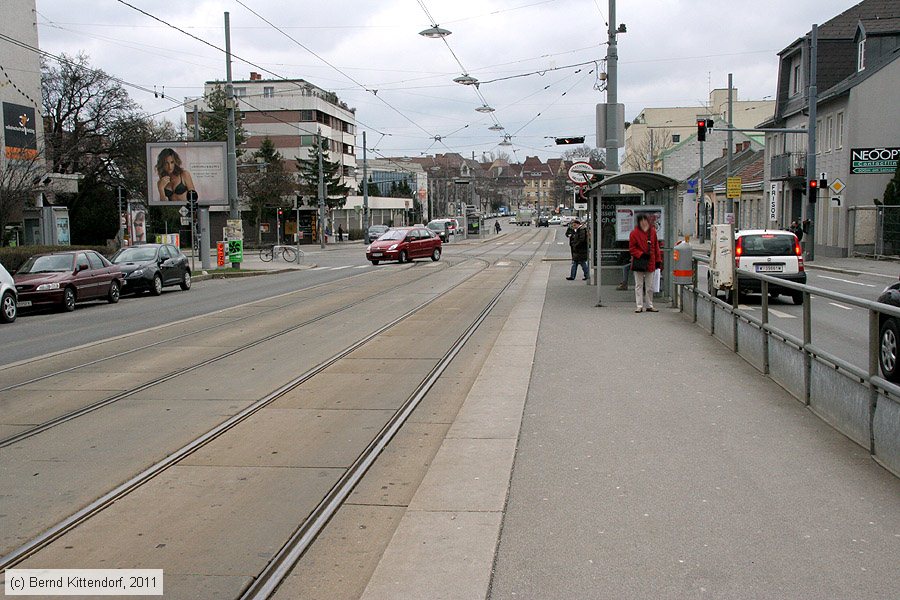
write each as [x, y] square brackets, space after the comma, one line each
[549, 53]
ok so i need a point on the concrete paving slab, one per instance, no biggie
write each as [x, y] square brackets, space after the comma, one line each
[32, 407]
[220, 525]
[11, 430]
[442, 402]
[443, 542]
[467, 475]
[399, 469]
[489, 416]
[158, 360]
[79, 380]
[352, 364]
[294, 438]
[47, 478]
[351, 391]
[338, 566]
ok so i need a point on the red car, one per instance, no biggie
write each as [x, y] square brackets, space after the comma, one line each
[64, 278]
[404, 244]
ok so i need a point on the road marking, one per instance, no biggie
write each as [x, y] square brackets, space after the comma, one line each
[846, 281]
[344, 267]
[841, 306]
[744, 307]
[320, 268]
[783, 315]
[360, 266]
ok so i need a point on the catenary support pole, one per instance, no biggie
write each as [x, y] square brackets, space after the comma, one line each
[365, 191]
[204, 210]
[231, 159]
[811, 139]
[321, 190]
[729, 169]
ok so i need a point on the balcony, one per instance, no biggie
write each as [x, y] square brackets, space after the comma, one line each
[788, 165]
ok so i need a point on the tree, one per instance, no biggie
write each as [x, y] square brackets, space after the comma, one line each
[268, 185]
[645, 154]
[81, 105]
[214, 120]
[17, 185]
[308, 168]
[373, 188]
[595, 156]
[891, 219]
[401, 190]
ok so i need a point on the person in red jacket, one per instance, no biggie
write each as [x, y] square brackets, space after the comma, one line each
[646, 257]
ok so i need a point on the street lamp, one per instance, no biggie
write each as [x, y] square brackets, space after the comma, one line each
[465, 79]
[434, 32]
[484, 108]
[496, 127]
[505, 141]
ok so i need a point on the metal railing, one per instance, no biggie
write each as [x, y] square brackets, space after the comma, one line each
[874, 424]
[784, 166]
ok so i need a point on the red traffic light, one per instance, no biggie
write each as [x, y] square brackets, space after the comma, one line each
[279, 212]
[813, 183]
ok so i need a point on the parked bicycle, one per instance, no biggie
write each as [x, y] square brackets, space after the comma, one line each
[287, 253]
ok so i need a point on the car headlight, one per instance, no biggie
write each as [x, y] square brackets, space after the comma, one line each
[369, 249]
[47, 286]
[393, 247]
[137, 273]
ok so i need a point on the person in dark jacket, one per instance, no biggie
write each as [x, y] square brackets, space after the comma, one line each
[796, 230]
[646, 257]
[578, 244]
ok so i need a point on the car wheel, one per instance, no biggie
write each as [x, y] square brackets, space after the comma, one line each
[156, 286]
[8, 308]
[186, 281]
[375, 262]
[68, 304]
[887, 351]
[436, 255]
[114, 292]
[797, 297]
[403, 256]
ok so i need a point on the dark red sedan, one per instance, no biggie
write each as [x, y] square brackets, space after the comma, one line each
[404, 244]
[63, 278]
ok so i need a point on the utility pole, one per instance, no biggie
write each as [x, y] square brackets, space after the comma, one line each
[811, 139]
[204, 210]
[612, 143]
[729, 201]
[701, 204]
[231, 160]
[365, 191]
[121, 218]
[321, 190]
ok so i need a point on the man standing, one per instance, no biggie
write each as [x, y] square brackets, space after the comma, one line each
[578, 244]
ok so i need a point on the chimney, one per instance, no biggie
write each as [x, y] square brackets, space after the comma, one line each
[724, 151]
[254, 76]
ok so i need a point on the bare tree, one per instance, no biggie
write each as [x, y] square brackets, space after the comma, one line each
[645, 154]
[18, 182]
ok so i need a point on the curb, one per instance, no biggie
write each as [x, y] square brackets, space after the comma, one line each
[239, 274]
[847, 271]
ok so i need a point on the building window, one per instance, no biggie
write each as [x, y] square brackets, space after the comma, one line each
[348, 149]
[240, 91]
[861, 55]
[795, 77]
[307, 116]
[839, 131]
[829, 132]
[676, 137]
[307, 141]
[268, 92]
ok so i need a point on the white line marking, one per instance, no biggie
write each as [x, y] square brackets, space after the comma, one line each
[841, 306]
[344, 267]
[361, 267]
[744, 307]
[560, 243]
[320, 268]
[846, 281]
[783, 315]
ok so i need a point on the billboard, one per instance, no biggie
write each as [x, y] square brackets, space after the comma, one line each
[19, 132]
[175, 168]
[869, 161]
[626, 218]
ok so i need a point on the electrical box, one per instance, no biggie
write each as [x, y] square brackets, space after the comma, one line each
[721, 257]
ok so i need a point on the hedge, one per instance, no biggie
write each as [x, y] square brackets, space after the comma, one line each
[13, 257]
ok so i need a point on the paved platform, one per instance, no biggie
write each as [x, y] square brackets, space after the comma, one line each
[650, 462]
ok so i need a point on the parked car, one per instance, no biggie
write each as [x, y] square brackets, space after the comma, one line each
[64, 278]
[375, 231]
[441, 228]
[405, 244]
[555, 220]
[150, 267]
[889, 335]
[454, 226]
[769, 252]
[543, 221]
[9, 298]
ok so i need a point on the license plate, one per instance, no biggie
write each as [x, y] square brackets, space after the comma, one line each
[769, 268]
[376, 254]
[24, 303]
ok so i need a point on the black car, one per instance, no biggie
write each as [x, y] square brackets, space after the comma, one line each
[150, 267]
[889, 335]
[543, 221]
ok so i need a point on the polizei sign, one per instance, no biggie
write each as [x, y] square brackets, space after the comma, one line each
[873, 160]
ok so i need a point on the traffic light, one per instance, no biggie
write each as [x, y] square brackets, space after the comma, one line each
[703, 125]
[813, 191]
[569, 140]
[280, 212]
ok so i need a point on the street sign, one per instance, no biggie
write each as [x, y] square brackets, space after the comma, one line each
[185, 220]
[184, 211]
[733, 187]
[581, 206]
[773, 202]
[837, 186]
[578, 177]
[835, 201]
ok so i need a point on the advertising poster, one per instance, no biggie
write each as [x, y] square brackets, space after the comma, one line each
[19, 132]
[62, 230]
[626, 218]
[175, 168]
[138, 228]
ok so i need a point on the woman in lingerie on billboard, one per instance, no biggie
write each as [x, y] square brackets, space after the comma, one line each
[174, 181]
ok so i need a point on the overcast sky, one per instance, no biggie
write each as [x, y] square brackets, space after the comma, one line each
[673, 53]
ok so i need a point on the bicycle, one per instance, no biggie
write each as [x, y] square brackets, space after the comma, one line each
[288, 254]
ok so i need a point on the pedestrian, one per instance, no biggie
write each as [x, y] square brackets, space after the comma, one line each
[578, 244]
[646, 256]
[497, 226]
[626, 270]
[340, 233]
[796, 230]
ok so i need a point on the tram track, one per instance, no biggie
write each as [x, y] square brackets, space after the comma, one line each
[60, 528]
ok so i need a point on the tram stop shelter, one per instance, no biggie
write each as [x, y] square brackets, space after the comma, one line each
[613, 213]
